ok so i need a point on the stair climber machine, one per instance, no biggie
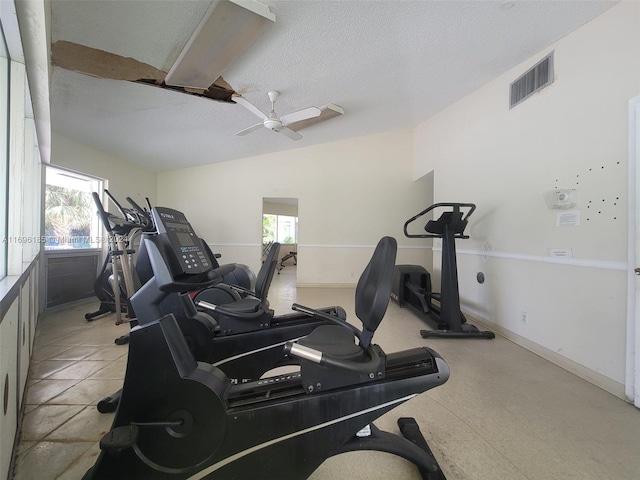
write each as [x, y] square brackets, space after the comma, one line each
[412, 283]
[183, 419]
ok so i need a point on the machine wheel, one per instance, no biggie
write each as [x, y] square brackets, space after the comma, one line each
[201, 430]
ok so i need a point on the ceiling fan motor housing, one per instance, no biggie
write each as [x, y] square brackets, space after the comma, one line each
[273, 124]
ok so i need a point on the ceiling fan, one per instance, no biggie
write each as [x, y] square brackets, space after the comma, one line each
[272, 121]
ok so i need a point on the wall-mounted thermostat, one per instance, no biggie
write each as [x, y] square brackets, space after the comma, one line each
[561, 198]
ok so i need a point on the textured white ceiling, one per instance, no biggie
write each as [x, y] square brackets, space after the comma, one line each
[389, 64]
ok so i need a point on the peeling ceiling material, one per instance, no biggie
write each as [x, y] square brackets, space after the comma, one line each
[217, 91]
[101, 64]
[431, 53]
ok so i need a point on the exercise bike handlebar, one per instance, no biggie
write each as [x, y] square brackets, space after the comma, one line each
[228, 312]
[212, 277]
[243, 290]
[325, 316]
[221, 271]
[455, 206]
[316, 356]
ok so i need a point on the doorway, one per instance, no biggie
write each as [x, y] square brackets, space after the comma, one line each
[280, 224]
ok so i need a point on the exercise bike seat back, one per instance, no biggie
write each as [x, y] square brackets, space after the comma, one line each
[374, 288]
[265, 275]
[241, 315]
[336, 342]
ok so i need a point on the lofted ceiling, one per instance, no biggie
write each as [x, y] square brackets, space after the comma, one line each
[388, 64]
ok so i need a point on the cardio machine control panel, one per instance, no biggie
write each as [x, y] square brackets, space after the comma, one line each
[186, 245]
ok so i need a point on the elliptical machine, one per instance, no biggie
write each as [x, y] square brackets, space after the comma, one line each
[116, 283]
[412, 283]
[180, 419]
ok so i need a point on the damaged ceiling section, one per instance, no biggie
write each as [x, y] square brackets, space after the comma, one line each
[101, 64]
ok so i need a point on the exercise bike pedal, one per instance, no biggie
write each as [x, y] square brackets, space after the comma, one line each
[119, 439]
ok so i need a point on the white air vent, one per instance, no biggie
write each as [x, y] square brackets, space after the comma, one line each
[531, 81]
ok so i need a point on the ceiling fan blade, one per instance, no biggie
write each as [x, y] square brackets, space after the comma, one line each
[329, 111]
[249, 106]
[290, 133]
[250, 129]
[300, 115]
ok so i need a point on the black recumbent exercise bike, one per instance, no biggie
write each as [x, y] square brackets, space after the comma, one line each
[412, 283]
[243, 338]
[181, 419]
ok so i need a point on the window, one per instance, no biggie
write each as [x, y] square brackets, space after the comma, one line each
[4, 150]
[279, 228]
[70, 219]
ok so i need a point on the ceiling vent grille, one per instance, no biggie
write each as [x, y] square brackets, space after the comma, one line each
[531, 81]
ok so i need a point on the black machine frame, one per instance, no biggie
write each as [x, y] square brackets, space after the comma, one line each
[181, 419]
[412, 283]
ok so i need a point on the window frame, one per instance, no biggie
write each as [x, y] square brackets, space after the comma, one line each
[5, 65]
[96, 229]
[277, 228]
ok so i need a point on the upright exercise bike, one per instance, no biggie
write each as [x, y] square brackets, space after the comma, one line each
[412, 283]
[180, 419]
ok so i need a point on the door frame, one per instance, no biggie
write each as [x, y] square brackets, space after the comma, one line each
[632, 376]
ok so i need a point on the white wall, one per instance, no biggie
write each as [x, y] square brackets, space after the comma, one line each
[124, 178]
[350, 193]
[573, 134]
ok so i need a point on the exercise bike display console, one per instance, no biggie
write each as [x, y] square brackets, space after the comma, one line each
[182, 238]
[412, 283]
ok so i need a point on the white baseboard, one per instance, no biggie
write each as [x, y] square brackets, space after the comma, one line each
[591, 376]
[326, 285]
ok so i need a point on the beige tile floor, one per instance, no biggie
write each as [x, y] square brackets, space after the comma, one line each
[504, 414]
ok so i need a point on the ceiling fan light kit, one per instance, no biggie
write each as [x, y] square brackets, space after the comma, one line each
[227, 30]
